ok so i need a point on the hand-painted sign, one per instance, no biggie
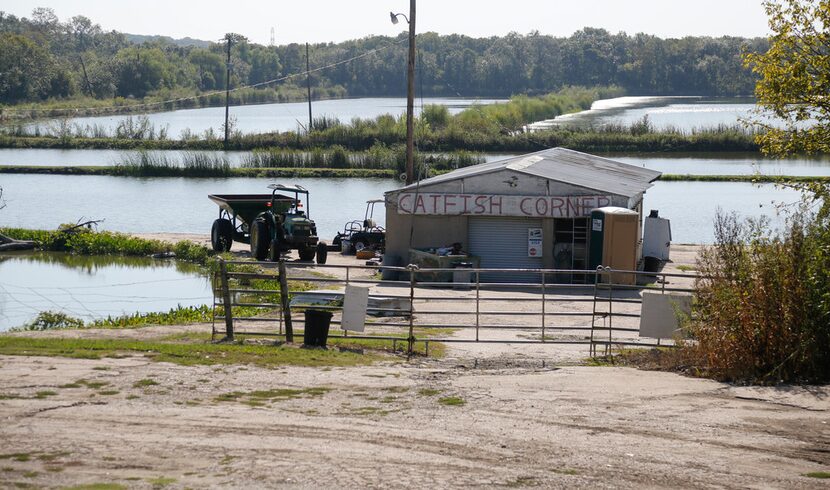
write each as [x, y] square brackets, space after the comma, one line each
[439, 204]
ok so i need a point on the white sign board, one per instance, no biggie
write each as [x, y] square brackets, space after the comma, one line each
[534, 242]
[439, 204]
[661, 314]
[354, 308]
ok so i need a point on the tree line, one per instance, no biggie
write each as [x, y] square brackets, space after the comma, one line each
[42, 57]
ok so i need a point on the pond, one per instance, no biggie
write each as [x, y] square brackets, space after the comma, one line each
[180, 205]
[681, 113]
[92, 287]
[700, 163]
[264, 118]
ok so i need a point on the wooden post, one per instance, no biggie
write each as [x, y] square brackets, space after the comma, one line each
[284, 301]
[308, 87]
[411, 339]
[410, 99]
[226, 299]
[229, 39]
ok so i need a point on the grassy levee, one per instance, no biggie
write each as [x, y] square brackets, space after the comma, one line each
[88, 242]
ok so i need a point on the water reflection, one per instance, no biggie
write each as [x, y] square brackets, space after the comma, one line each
[93, 287]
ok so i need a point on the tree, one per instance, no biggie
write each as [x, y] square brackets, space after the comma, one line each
[795, 78]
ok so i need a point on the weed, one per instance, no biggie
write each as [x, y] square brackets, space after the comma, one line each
[145, 382]
[428, 392]
[451, 401]
[685, 268]
[45, 394]
[818, 474]
[108, 392]
[100, 368]
[98, 486]
[30, 474]
[161, 481]
[132, 397]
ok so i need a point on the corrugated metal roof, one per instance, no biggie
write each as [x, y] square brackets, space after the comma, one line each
[563, 165]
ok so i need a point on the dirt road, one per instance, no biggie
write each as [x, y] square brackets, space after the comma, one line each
[438, 423]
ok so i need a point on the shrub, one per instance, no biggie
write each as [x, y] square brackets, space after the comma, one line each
[762, 311]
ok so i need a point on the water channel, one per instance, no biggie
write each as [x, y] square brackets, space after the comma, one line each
[672, 163]
[265, 118]
[180, 205]
[90, 287]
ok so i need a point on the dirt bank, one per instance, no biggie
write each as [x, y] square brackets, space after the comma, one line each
[451, 422]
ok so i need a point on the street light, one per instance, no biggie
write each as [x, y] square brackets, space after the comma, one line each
[410, 92]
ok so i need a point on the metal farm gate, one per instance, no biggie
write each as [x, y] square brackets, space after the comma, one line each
[426, 305]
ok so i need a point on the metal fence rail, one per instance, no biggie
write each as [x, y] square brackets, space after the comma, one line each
[604, 312]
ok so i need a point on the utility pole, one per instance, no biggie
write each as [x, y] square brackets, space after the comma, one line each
[410, 99]
[229, 40]
[308, 86]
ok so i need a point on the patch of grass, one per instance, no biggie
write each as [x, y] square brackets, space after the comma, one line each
[9, 396]
[20, 457]
[45, 394]
[818, 474]
[108, 392]
[100, 368]
[685, 268]
[132, 397]
[259, 398]
[182, 354]
[396, 389]
[428, 392]
[451, 401]
[142, 383]
[48, 457]
[30, 474]
[98, 486]
[522, 481]
[93, 384]
[161, 481]
[565, 471]
[369, 411]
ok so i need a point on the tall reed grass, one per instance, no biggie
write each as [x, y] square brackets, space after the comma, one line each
[157, 164]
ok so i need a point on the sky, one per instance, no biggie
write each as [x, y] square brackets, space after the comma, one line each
[339, 20]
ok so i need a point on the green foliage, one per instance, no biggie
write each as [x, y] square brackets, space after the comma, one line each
[794, 82]
[763, 300]
[85, 241]
[181, 315]
[193, 164]
[50, 320]
[79, 59]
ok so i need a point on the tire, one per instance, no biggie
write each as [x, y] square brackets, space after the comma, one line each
[306, 253]
[359, 245]
[221, 235]
[260, 239]
[322, 253]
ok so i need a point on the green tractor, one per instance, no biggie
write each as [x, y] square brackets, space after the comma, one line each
[272, 224]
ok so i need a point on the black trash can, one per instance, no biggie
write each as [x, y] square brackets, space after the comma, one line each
[651, 264]
[317, 324]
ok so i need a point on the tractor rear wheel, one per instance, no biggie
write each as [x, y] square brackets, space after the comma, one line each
[260, 239]
[221, 235]
[322, 252]
[306, 253]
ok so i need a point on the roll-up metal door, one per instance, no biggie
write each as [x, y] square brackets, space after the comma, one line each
[501, 243]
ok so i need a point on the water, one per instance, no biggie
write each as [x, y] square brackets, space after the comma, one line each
[91, 287]
[265, 118]
[180, 205]
[694, 164]
[682, 113]
[169, 205]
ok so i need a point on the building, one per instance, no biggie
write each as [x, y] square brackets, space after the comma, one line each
[529, 211]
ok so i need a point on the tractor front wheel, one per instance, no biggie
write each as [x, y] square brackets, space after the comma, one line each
[260, 239]
[306, 253]
[322, 252]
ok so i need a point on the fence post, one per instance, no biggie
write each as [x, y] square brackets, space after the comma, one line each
[544, 287]
[284, 301]
[478, 300]
[411, 339]
[226, 299]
